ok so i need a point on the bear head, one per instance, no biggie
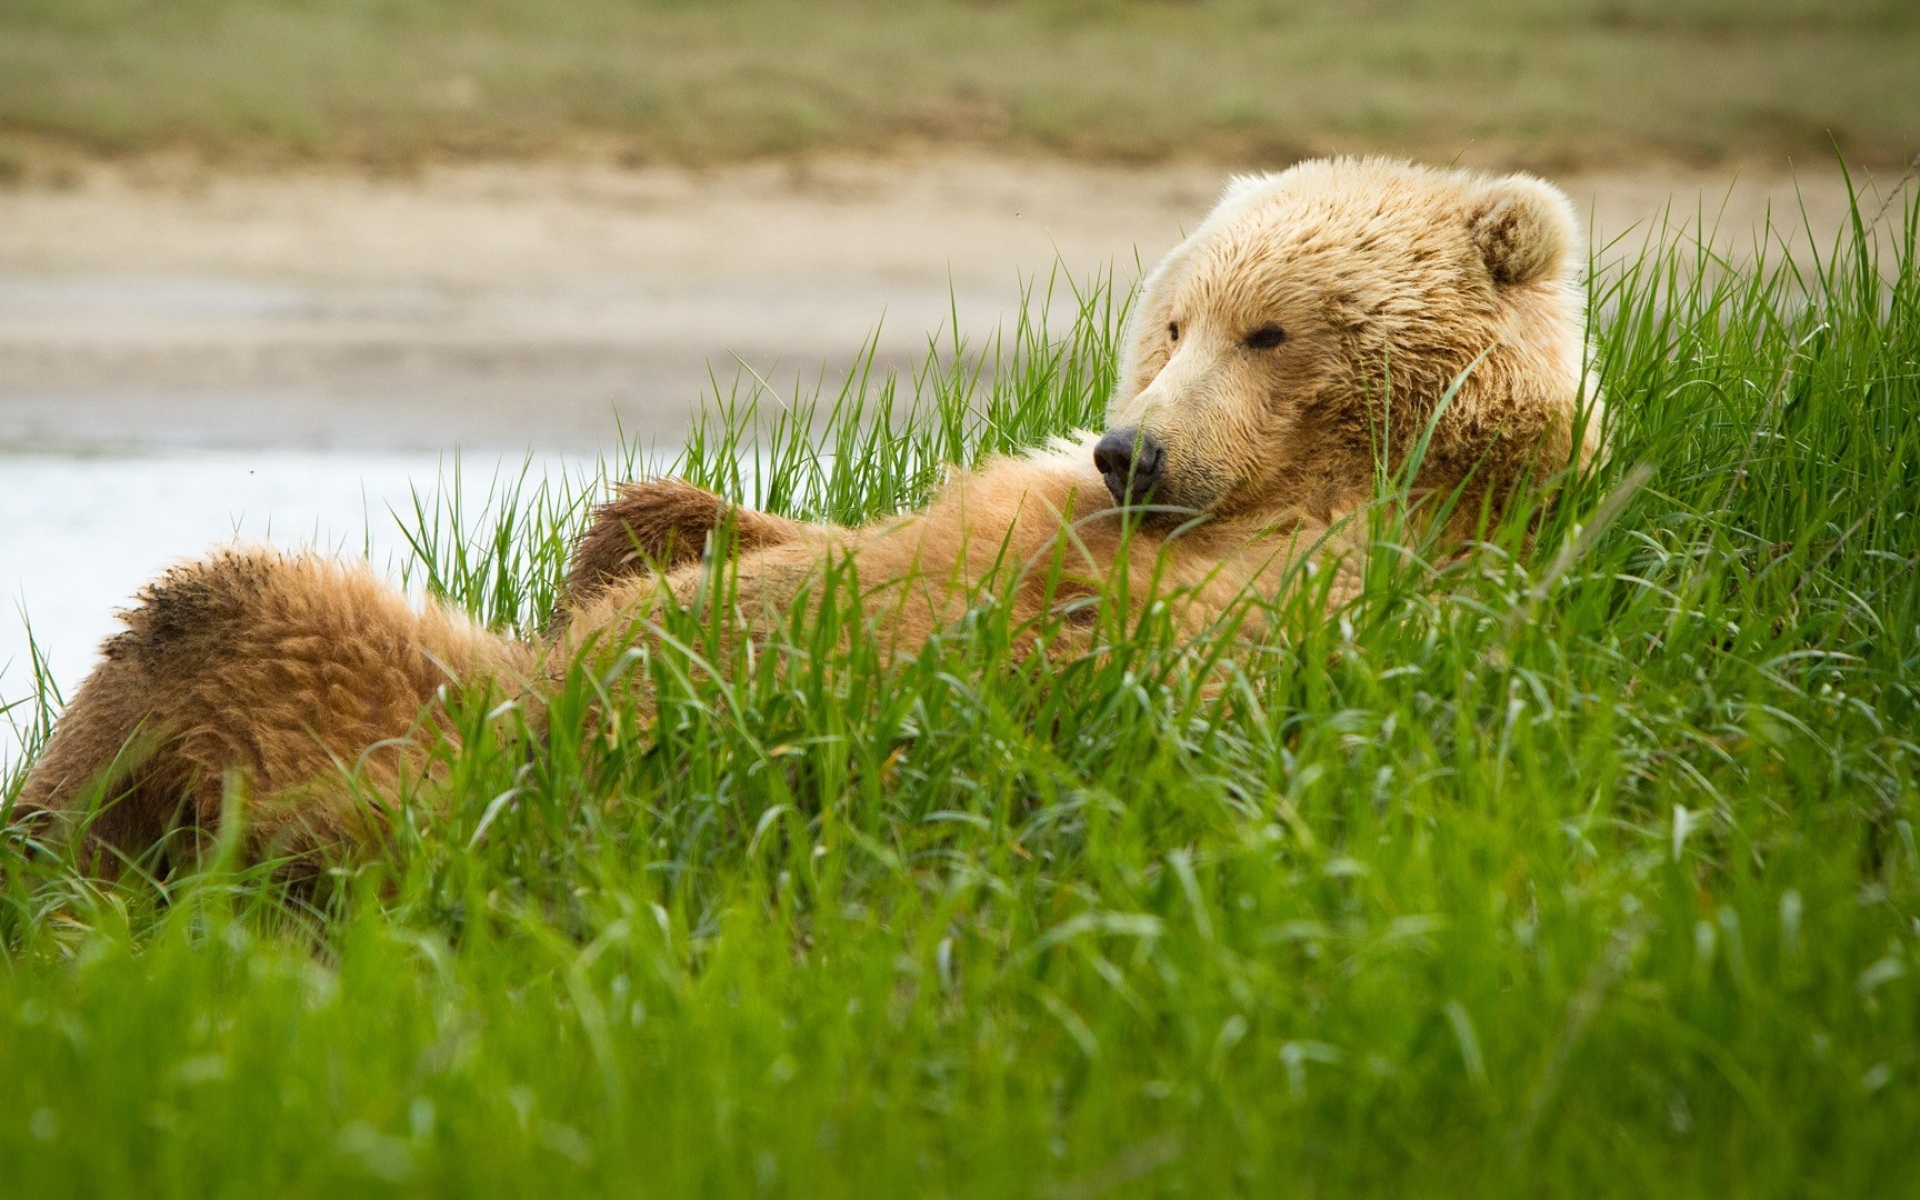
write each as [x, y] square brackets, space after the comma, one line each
[1306, 334]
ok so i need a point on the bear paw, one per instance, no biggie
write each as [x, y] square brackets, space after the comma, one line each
[660, 524]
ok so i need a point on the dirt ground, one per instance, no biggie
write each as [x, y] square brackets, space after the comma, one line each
[544, 307]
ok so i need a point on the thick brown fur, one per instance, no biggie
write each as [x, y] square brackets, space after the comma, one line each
[1391, 287]
[306, 685]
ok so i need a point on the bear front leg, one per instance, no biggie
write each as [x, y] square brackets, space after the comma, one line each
[280, 676]
[661, 524]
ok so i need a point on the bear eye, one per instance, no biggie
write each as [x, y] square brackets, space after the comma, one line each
[1266, 337]
[1173, 330]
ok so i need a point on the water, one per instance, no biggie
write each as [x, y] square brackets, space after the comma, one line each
[80, 535]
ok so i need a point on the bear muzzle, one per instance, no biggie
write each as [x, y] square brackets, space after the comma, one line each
[1130, 461]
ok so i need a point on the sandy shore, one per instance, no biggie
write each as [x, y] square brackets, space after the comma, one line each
[508, 307]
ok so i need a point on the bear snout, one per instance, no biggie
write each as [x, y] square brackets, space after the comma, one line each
[1130, 461]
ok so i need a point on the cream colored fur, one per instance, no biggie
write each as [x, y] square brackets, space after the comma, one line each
[1388, 285]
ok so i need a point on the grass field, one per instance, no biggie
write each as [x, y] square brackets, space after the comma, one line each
[1554, 84]
[1586, 869]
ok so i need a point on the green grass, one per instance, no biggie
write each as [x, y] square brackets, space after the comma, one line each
[1585, 870]
[1547, 83]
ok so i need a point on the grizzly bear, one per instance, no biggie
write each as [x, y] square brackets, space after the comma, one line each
[1319, 325]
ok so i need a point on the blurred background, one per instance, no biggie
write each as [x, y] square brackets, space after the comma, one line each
[265, 265]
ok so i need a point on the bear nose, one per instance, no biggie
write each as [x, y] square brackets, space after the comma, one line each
[1130, 459]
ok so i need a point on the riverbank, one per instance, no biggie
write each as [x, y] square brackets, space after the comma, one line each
[554, 306]
[186, 357]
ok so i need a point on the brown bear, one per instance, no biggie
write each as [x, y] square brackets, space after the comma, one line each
[1316, 327]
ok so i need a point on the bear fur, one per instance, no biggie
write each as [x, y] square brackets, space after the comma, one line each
[1314, 328]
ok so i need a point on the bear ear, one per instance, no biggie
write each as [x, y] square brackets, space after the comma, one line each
[1524, 228]
[1240, 187]
[1239, 190]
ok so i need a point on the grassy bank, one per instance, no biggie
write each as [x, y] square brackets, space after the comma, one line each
[1538, 82]
[1581, 870]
